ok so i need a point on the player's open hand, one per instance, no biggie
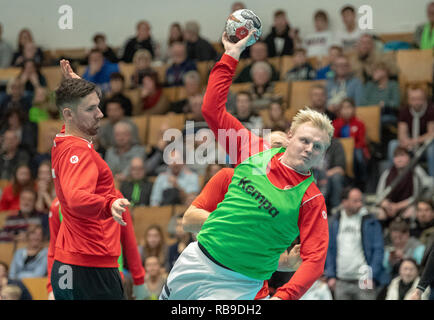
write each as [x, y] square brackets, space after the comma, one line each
[235, 49]
[67, 71]
[118, 207]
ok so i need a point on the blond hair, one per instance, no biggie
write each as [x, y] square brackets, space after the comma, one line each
[317, 119]
[11, 292]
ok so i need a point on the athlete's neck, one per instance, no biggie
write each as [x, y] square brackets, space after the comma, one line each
[72, 131]
[286, 161]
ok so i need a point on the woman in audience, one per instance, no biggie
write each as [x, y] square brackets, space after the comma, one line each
[403, 286]
[155, 278]
[31, 77]
[151, 93]
[142, 63]
[210, 171]
[15, 98]
[44, 188]
[183, 239]
[154, 244]
[10, 199]
[175, 33]
[27, 49]
[276, 120]
[31, 261]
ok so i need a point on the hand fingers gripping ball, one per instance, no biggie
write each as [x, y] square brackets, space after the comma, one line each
[239, 24]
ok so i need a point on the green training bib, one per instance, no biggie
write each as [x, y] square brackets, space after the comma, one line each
[256, 222]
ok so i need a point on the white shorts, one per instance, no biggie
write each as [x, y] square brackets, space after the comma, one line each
[195, 277]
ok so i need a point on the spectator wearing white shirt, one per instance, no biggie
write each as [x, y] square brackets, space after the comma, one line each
[318, 43]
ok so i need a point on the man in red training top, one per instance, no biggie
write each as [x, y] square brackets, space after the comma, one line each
[87, 247]
[128, 244]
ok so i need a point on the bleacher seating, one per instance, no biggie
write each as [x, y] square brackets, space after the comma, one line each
[299, 95]
[414, 66]
[371, 117]
[176, 121]
[348, 145]
[37, 287]
[7, 251]
[143, 217]
[47, 129]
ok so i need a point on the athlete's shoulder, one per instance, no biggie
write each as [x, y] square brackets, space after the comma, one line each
[313, 196]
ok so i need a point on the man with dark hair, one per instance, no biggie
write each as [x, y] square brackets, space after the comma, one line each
[198, 49]
[347, 38]
[355, 254]
[101, 45]
[279, 40]
[88, 246]
[117, 86]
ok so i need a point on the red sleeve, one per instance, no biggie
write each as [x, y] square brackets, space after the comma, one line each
[81, 179]
[337, 124]
[54, 224]
[238, 142]
[314, 240]
[214, 191]
[130, 250]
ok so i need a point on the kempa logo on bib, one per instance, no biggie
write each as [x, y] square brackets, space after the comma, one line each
[74, 159]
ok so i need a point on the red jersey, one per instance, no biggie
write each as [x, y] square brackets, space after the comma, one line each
[88, 235]
[9, 200]
[312, 221]
[128, 242]
[356, 129]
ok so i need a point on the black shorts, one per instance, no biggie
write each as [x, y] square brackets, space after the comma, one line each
[71, 282]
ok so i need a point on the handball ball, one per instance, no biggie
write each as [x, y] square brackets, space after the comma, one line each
[239, 24]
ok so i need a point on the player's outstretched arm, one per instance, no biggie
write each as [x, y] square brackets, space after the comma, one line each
[194, 218]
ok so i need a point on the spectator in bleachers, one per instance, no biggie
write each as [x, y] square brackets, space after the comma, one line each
[154, 244]
[11, 154]
[244, 111]
[183, 239]
[210, 171]
[173, 185]
[100, 43]
[302, 69]
[317, 44]
[384, 92]
[142, 40]
[400, 200]
[416, 125]
[118, 157]
[176, 33]
[367, 55]
[355, 246]
[348, 125]
[237, 6]
[153, 101]
[117, 86]
[31, 261]
[6, 51]
[343, 85]
[318, 101]
[155, 278]
[402, 246]
[137, 188]
[42, 107]
[44, 188]
[262, 88]
[333, 166]
[142, 61]
[22, 178]
[276, 120]
[192, 86]
[348, 37]
[180, 64]
[422, 227]
[423, 36]
[31, 77]
[115, 113]
[258, 52]
[18, 222]
[27, 49]
[198, 49]
[99, 70]
[327, 72]
[16, 120]
[5, 280]
[279, 41]
[406, 282]
[15, 98]
[195, 113]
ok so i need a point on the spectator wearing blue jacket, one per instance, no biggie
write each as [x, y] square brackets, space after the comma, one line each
[354, 264]
[343, 85]
[31, 261]
[180, 65]
[99, 70]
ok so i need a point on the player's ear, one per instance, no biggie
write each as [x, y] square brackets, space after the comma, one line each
[67, 113]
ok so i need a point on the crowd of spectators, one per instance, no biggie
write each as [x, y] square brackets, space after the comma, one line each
[383, 237]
